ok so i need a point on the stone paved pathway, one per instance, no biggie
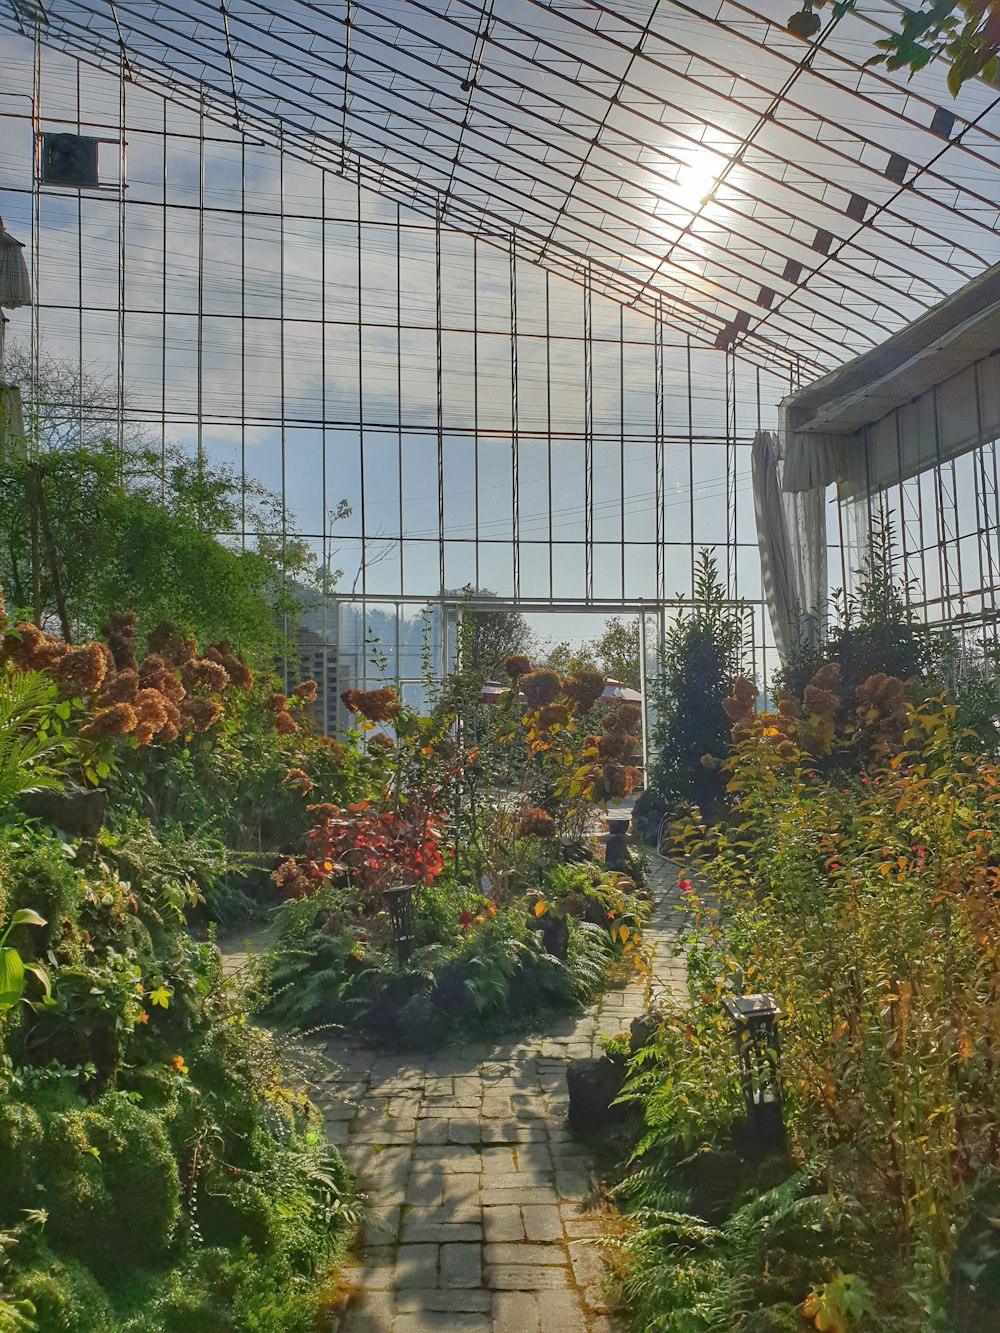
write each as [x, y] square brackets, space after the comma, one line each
[482, 1204]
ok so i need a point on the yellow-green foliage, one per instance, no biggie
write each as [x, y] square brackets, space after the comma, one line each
[862, 888]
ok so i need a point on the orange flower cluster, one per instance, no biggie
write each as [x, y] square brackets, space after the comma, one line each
[881, 705]
[277, 706]
[119, 634]
[306, 690]
[380, 743]
[536, 823]
[517, 665]
[584, 689]
[150, 699]
[156, 715]
[323, 811]
[299, 781]
[741, 707]
[541, 688]
[379, 705]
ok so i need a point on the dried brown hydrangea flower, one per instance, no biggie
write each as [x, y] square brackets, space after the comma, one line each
[204, 674]
[323, 811]
[79, 671]
[625, 717]
[284, 723]
[585, 688]
[379, 705]
[119, 688]
[541, 687]
[615, 745]
[119, 633]
[198, 713]
[517, 665]
[30, 648]
[118, 720]
[299, 781]
[174, 648]
[536, 823]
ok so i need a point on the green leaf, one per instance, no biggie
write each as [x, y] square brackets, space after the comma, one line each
[11, 978]
[161, 996]
[41, 973]
[24, 916]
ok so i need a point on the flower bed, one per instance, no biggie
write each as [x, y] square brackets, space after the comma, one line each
[157, 1173]
[855, 879]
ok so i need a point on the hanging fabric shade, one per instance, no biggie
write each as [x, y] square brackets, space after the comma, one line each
[15, 287]
[791, 536]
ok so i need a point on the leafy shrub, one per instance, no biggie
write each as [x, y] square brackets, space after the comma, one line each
[701, 657]
[866, 902]
[38, 875]
[476, 962]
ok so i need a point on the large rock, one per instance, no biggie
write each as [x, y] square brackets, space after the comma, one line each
[420, 1025]
[643, 1028]
[593, 1085]
[79, 811]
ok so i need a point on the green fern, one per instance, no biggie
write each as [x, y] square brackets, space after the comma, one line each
[33, 756]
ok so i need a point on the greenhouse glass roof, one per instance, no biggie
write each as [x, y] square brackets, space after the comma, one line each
[692, 160]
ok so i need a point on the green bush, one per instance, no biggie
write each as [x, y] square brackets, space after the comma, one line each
[67, 1296]
[37, 874]
[95, 1161]
[701, 657]
[22, 1137]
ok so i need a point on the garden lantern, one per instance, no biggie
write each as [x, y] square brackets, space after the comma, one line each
[755, 1035]
[616, 846]
[399, 901]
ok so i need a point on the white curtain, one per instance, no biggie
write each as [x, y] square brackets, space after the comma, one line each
[15, 289]
[791, 536]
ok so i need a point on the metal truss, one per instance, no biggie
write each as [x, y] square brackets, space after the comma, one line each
[690, 159]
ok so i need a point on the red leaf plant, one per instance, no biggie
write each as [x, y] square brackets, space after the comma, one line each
[375, 847]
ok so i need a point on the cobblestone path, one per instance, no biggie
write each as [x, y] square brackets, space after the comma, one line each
[482, 1204]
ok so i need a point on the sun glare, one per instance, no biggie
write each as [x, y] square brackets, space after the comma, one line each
[697, 178]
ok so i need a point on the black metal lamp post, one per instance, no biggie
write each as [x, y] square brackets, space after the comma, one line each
[399, 901]
[755, 1035]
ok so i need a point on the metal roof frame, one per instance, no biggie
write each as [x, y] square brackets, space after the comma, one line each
[842, 201]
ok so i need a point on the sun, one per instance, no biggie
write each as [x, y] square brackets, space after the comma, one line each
[697, 178]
